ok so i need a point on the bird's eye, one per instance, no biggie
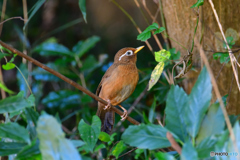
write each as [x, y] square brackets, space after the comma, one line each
[129, 53]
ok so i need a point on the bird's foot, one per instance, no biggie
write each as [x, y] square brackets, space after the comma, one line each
[108, 106]
[125, 113]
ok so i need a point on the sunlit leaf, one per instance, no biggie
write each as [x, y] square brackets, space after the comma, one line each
[164, 156]
[198, 3]
[14, 131]
[82, 6]
[156, 73]
[162, 55]
[53, 144]
[118, 149]
[159, 30]
[8, 66]
[6, 89]
[104, 137]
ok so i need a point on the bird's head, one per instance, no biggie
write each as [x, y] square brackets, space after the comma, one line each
[127, 55]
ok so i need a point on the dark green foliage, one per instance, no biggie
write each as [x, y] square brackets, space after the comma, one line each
[146, 34]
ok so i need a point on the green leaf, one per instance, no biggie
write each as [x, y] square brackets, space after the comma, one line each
[175, 104]
[119, 148]
[3, 54]
[49, 48]
[146, 136]
[112, 138]
[62, 99]
[152, 111]
[174, 55]
[14, 103]
[8, 148]
[100, 146]
[33, 11]
[236, 131]
[163, 156]
[8, 66]
[162, 55]
[199, 3]
[230, 42]
[159, 30]
[5, 88]
[213, 117]
[82, 47]
[14, 131]
[206, 146]
[199, 100]
[90, 134]
[104, 137]
[82, 6]
[29, 151]
[146, 34]
[224, 57]
[156, 73]
[32, 117]
[189, 152]
[53, 144]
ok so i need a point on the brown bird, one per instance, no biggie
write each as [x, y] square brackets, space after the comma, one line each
[117, 84]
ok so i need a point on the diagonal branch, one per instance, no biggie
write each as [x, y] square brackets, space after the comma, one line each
[74, 84]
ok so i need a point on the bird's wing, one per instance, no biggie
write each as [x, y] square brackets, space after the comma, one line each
[106, 75]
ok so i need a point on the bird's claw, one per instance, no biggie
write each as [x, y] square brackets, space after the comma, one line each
[108, 106]
[124, 116]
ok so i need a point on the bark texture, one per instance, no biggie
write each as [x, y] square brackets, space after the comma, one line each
[180, 23]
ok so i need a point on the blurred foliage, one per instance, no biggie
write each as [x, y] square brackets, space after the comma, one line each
[49, 119]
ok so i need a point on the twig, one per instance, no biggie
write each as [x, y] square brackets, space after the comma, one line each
[174, 143]
[74, 84]
[232, 57]
[216, 90]
[128, 152]
[134, 23]
[137, 100]
[13, 18]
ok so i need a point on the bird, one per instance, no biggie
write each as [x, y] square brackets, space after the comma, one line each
[117, 84]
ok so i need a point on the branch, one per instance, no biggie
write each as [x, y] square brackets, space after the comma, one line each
[174, 143]
[74, 84]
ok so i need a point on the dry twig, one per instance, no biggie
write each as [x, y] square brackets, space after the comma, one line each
[174, 143]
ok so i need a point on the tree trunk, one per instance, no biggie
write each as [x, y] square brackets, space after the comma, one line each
[180, 23]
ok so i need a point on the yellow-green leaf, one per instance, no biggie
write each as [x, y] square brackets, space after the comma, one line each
[156, 73]
[162, 55]
[8, 66]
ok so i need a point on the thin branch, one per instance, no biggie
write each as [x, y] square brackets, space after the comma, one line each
[74, 84]
[216, 90]
[13, 18]
[232, 57]
[127, 152]
[174, 143]
[132, 20]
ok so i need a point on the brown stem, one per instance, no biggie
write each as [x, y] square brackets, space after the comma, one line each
[74, 84]
[174, 143]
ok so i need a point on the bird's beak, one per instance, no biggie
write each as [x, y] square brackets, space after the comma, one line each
[138, 49]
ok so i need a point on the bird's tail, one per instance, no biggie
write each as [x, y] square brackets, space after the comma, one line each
[107, 118]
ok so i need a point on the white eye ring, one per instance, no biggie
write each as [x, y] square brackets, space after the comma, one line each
[127, 53]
